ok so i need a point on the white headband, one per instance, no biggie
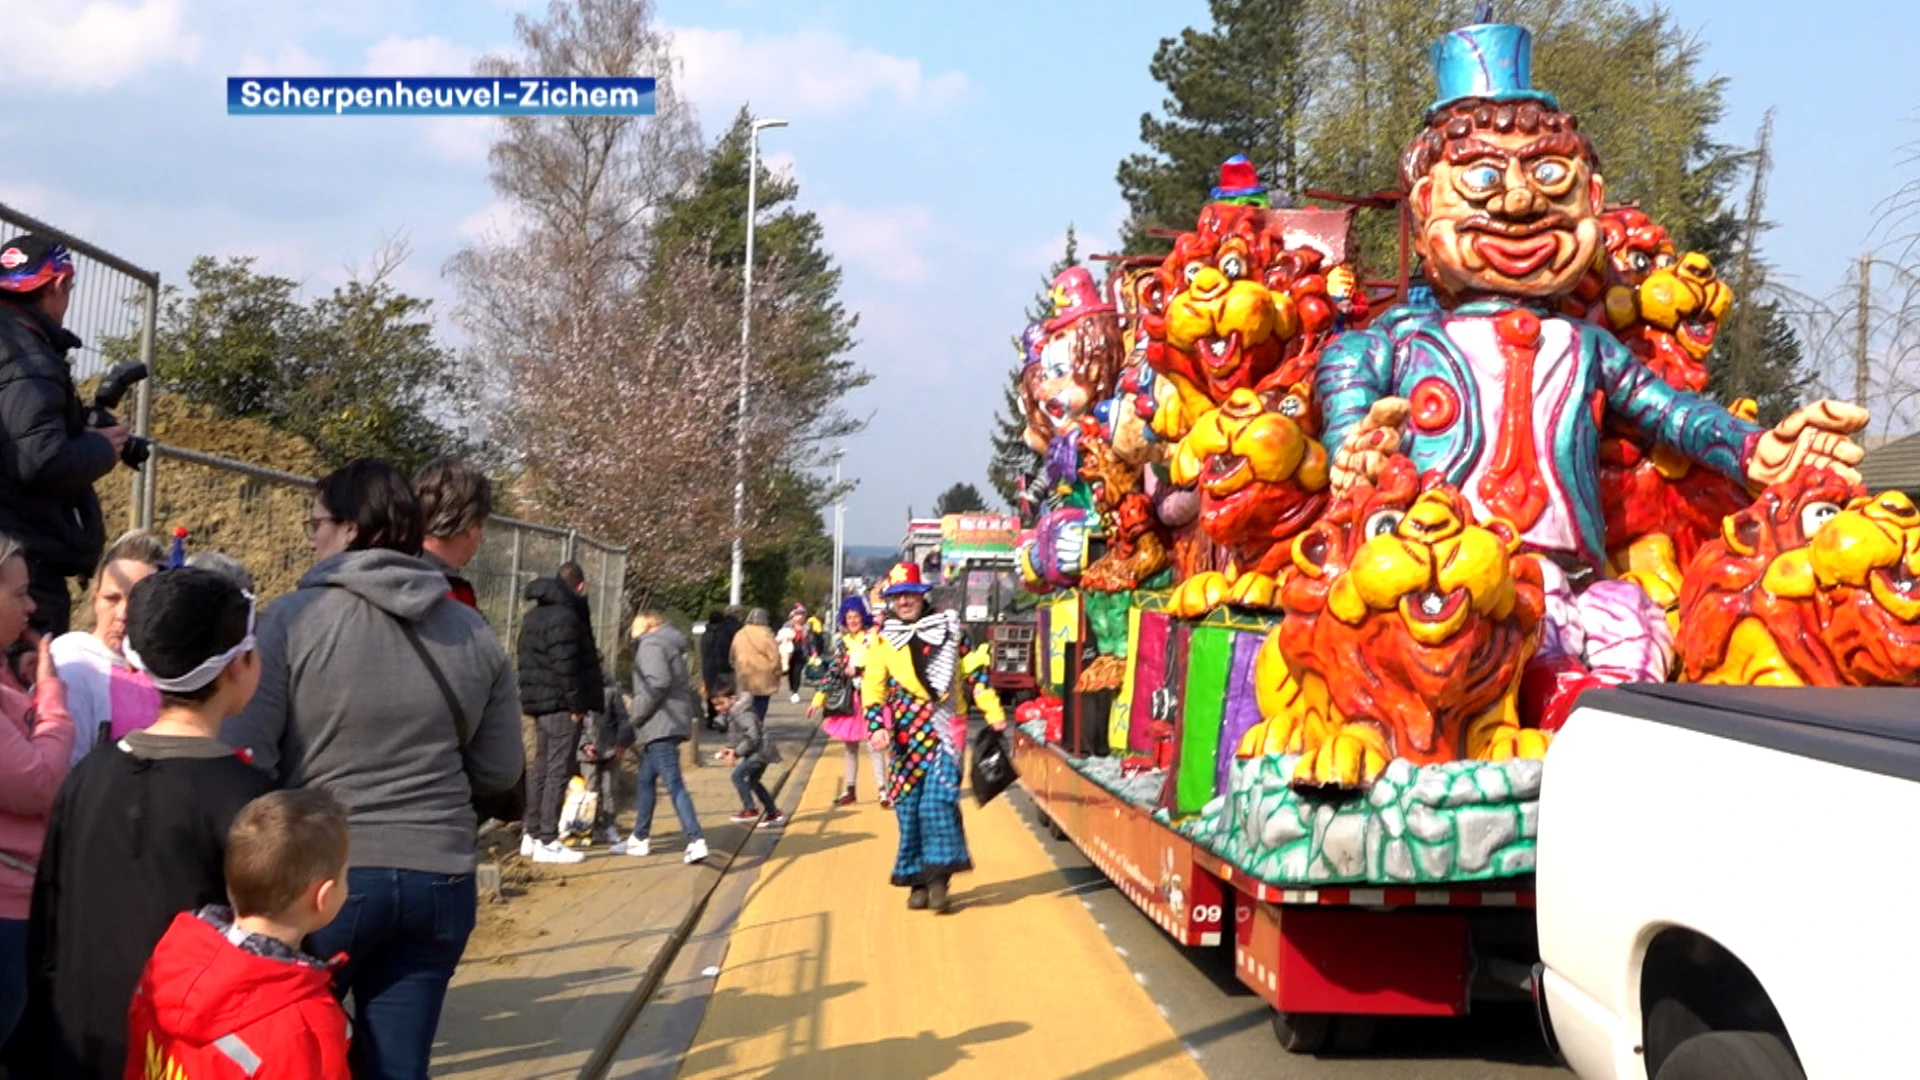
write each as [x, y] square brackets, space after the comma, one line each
[209, 669]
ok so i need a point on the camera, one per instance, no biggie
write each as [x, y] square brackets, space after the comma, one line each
[119, 379]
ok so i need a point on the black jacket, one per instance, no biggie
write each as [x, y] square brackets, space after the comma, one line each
[48, 459]
[716, 649]
[138, 834]
[558, 670]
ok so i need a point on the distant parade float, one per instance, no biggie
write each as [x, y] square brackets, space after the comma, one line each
[1324, 561]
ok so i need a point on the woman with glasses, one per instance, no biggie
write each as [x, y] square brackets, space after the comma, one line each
[378, 687]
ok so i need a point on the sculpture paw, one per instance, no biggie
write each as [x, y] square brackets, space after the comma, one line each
[1352, 759]
[1515, 742]
[1198, 595]
[1278, 735]
[1259, 592]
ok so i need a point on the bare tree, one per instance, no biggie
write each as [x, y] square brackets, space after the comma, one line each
[581, 189]
[623, 423]
[1865, 336]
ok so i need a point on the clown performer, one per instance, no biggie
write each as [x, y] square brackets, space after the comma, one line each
[1489, 385]
[912, 681]
[850, 729]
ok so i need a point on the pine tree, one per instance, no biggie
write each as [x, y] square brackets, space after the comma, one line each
[961, 498]
[1240, 87]
[1327, 93]
[1011, 454]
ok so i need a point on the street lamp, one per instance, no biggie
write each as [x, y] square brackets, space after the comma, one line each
[839, 547]
[746, 326]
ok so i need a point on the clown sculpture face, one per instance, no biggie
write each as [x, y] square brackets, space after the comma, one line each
[1505, 201]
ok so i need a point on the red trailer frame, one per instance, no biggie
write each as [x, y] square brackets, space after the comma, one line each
[1328, 959]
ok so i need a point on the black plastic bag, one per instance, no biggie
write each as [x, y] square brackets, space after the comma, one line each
[836, 691]
[992, 771]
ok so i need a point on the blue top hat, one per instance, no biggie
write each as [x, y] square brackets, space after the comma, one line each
[1490, 61]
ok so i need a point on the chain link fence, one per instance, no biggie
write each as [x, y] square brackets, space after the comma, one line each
[258, 516]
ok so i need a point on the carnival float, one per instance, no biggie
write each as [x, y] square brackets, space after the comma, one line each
[1324, 560]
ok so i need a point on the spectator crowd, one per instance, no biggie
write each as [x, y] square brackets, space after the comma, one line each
[223, 826]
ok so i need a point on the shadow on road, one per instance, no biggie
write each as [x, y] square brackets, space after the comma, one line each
[1078, 882]
[526, 1019]
[909, 1057]
[770, 1012]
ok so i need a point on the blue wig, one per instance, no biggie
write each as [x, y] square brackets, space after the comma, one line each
[855, 604]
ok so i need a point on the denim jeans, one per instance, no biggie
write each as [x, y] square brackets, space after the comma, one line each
[746, 781]
[13, 974]
[403, 932]
[760, 704]
[660, 761]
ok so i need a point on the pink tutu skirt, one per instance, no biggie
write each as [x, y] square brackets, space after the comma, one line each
[851, 728]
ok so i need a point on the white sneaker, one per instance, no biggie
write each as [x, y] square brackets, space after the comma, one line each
[636, 846]
[795, 699]
[528, 845]
[556, 852]
[696, 851]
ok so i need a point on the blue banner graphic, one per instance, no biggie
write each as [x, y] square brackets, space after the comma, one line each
[433, 96]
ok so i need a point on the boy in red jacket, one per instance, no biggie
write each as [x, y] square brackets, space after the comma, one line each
[228, 994]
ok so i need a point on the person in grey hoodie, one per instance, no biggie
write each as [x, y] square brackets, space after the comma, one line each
[401, 702]
[662, 715]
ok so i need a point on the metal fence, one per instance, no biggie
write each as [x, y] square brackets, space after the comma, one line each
[258, 516]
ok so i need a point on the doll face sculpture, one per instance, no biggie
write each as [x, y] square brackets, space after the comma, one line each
[1076, 361]
[1505, 199]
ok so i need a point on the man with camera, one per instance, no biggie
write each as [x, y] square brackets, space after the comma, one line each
[50, 456]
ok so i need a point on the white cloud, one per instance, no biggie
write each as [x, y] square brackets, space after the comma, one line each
[283, 258]
[418, 56]
[95, 45]
[496, 222]
[783, 165]
[461, 138]
[886, 241]
[291, 61]
[52, 206]
[808, 73]
[452, 138]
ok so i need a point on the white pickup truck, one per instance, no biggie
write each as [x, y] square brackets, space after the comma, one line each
[1725, 884]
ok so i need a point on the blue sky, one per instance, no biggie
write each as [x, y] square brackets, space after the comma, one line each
[945, 148]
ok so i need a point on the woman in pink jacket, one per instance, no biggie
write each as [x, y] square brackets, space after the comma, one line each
[36, 747]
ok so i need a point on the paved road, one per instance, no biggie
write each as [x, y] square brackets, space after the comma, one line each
[1228, 1030]
[828, 976]
[549, 970]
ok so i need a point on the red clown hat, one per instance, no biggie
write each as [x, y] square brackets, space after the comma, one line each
[1075, 297]
[904, 578]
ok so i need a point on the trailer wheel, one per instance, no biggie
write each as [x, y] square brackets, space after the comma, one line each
[1732, 1055]
[1352, 1034]
[1058, 833]
[1040, 818]
[1303, 1033]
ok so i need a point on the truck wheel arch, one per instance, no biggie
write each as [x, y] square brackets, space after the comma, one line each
[1691, 984]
